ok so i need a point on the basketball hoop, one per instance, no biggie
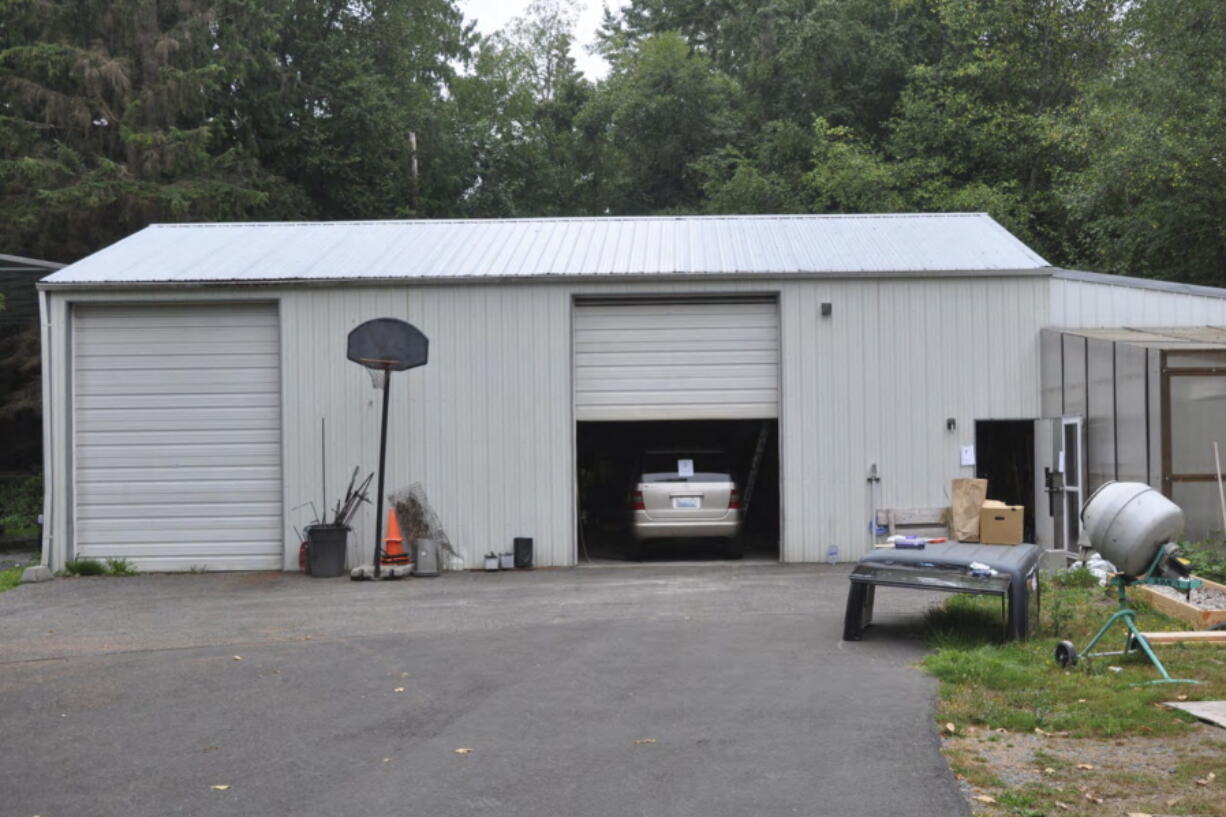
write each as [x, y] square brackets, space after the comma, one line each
[383, 346]
[378, 377]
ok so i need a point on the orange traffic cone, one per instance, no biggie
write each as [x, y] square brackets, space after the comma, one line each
[393, 544]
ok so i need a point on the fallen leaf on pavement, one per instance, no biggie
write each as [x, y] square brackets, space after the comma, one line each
[984, 798]
[463, 750]
[220, 787]
[1173, 801]
[1064, 806]
[645, 740]
[387, 760]
[1081, 700]
[1049, 770]
[238, 658]
[1139, 814]
[1096, 800]
[398, 689]
[950, 728]
[1206, 780]
[1181, 697]
[1086, 766]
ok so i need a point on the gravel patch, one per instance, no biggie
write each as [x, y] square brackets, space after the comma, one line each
[1204, 597]
[1113, 776]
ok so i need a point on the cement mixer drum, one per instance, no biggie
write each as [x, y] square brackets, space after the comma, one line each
[1127, 522]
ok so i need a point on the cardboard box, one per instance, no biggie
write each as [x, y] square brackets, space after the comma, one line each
[1000, 524]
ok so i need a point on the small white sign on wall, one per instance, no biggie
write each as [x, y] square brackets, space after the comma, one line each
[685, 468]
[968, 455]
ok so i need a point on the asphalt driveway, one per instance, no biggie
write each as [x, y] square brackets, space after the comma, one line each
[660, 691]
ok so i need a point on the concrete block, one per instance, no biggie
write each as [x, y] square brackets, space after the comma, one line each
[38, 573]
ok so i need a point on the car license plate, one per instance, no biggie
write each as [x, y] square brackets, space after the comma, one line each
[684, 502]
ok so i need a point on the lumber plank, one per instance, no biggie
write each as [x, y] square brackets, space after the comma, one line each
[1187, 637]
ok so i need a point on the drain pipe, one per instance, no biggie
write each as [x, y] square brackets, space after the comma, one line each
[46, 537]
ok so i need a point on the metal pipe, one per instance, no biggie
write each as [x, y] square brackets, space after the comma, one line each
[387, 390]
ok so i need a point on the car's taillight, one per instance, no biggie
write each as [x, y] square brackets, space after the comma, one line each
[638, 501]
[734, 500]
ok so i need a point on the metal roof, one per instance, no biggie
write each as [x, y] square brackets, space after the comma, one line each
[1139, 283]
[1174, 337]
[565, 247]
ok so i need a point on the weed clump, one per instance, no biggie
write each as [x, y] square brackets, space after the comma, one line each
[85, 567]
[93, 567]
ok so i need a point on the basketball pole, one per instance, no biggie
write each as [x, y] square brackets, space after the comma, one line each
[387, 390]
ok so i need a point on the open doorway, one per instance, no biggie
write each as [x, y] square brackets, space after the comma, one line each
[1004, 456]
[610, 459]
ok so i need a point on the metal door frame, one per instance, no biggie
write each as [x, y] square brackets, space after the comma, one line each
[1071, 520]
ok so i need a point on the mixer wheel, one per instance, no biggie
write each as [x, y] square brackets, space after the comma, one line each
[1066, 654]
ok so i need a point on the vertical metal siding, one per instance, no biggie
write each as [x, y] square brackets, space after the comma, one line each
[484, 426]
[488, 425]
[1100, 417]
[1088, 305]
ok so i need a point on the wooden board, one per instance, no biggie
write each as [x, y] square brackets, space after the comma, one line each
[1212, 711]
[1187, 637]
[1198, 617]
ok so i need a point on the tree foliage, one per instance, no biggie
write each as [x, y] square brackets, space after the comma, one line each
[1091, 128]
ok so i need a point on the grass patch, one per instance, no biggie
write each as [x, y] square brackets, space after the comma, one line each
[1019, 686]
[10, 578]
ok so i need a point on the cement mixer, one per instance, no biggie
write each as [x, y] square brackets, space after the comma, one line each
[1132, 526]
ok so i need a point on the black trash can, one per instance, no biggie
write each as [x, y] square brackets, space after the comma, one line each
[523, 552]
[326, 547]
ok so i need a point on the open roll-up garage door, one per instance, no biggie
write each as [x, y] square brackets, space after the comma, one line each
[177, 435]
[693, 359]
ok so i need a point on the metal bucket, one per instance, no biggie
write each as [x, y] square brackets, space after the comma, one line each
[426, 563]
[1127, 522]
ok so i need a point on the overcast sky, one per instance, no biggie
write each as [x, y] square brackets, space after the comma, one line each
[492, 15]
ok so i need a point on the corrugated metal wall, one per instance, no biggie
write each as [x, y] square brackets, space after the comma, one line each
[1090, 305]
[487, 426]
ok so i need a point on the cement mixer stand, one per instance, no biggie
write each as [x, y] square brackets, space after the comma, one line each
[1164, 561]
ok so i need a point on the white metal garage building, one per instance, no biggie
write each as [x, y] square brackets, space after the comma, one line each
[188, 369]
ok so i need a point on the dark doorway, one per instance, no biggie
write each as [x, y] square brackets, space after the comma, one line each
[608, 458]
[1004, 456]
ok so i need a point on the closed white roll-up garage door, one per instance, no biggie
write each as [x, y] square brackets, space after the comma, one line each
[676, 359]
[177, 435]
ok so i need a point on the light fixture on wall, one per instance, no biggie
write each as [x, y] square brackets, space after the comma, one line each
[827, 309]
[951, 424]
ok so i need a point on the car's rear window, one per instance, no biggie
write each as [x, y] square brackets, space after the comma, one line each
[697, 466]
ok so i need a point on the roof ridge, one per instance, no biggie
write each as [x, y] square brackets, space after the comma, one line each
[570, 219]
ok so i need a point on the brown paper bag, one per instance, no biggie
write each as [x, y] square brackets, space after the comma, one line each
[965, 501]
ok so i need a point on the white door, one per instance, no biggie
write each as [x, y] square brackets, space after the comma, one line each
[714, 359]
[1073, 469]
[177, 435]
[1060, 478]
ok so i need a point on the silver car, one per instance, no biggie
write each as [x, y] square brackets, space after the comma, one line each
[686, 493]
